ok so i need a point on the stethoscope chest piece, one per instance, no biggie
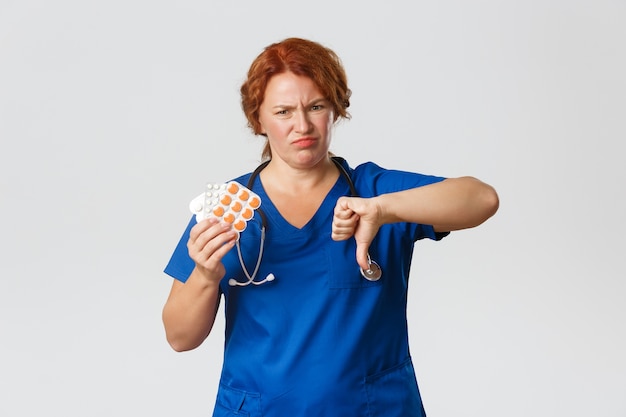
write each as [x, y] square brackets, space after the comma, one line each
[373, 273]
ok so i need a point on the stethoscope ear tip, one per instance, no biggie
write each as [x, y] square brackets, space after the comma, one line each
[234, 283]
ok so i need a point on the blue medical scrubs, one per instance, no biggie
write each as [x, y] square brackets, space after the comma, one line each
[319, 340]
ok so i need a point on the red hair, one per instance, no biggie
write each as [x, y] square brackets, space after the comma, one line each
[301, 57]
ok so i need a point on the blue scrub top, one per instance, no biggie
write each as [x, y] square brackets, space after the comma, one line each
[319, 340]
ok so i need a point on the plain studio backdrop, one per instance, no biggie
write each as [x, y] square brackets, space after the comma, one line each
[113, 116]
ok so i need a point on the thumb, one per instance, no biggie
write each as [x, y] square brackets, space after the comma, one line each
[361, 255]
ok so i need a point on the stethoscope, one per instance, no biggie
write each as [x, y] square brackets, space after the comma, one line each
[373, 273]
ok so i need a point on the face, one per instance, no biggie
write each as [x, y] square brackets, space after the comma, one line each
[297, 120]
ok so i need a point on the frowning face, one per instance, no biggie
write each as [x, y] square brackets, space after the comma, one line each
[297, 120]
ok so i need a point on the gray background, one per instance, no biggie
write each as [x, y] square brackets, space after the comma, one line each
[114, 114]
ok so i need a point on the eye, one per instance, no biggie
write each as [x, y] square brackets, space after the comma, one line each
[319, 106]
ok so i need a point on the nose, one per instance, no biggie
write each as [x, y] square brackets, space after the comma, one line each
[303, 123]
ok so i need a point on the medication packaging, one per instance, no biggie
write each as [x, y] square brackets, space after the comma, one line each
[230, 202]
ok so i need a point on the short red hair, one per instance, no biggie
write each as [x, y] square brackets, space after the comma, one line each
[301, 57]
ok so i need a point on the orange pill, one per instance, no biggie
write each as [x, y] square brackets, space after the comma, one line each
[226, 200]
[247, 213]
[236, 207]
[244, 195]
[229, 217]
[239, 225]
[232, 188]
[218, 211]
[255, 202]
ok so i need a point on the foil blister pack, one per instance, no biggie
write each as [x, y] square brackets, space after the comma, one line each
[230, 202]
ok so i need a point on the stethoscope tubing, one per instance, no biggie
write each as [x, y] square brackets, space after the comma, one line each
[373, 273]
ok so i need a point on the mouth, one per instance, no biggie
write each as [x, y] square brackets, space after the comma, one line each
[305, 142]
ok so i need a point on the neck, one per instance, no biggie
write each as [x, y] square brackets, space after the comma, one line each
[279, 175]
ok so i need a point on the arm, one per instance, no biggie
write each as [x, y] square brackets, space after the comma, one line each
[452, 204]
[190, 310]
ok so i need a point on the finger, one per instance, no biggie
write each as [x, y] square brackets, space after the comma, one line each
[341, 234]
[200, 235]
[214, 252]
[219, 254]
[343, 229]
[223, 236]
[350, 222]
[201, 227]
[209, 240]
[342, 209]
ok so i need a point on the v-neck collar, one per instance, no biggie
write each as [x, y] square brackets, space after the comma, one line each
[319, 222]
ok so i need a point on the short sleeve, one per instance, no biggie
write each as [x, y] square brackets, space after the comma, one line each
[180, 264]
[371, 180]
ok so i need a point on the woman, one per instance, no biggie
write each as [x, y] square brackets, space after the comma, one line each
[320, 339]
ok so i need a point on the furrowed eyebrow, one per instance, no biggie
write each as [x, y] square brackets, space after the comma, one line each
[318, 101]
[314, 102]
[283, 107]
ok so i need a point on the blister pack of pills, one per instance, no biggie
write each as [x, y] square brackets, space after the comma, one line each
[230, 202]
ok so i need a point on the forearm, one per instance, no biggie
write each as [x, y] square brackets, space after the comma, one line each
[452, 204]
[189, 313]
